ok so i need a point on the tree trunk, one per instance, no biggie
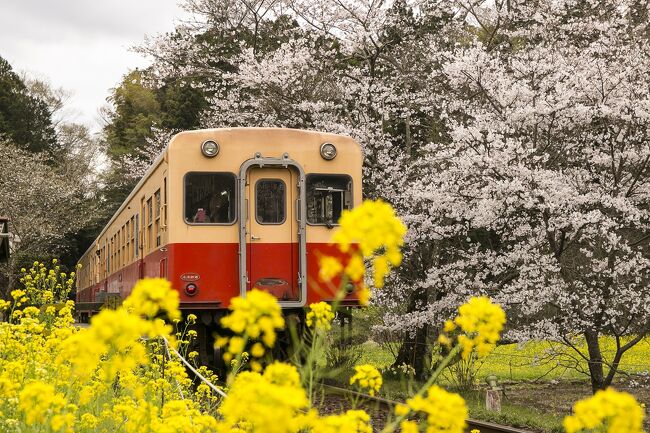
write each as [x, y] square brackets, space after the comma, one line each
[595, 361]
[413, 350]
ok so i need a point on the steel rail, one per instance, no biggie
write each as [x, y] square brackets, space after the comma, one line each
[193, 370]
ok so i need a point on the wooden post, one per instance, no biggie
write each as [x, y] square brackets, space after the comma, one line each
[493, 400]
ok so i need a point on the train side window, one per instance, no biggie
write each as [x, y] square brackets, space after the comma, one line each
[137, 235]
[157, 217]
[270, 201]
[149, 243]
[210, 198]
[327, 196]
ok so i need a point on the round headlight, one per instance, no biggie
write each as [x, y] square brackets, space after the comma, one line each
[328, 151]
[210, 148]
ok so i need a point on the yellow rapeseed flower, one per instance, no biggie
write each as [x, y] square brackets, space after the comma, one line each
[271, 402]
[39, 400]
[372, 226]
[352, 421]
[88, 421]
[371, 232]
[4, 305]
[480, 323]
[329, 267]
[283, 374]
[17, 294]
[320, 316]
[402, 410]
[257, 350]
[446, 412]
[609, 410]
[367, 377]
[257, 316]
[409, 426]
[152, 296]
[364, 294]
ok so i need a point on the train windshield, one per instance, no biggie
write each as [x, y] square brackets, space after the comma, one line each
[327, 196]
[210, 198]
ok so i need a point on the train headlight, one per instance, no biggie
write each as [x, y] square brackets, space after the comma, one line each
[328, 151]
[191, 289]
[210, 148]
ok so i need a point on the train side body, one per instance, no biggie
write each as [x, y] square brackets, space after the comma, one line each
[258, 214]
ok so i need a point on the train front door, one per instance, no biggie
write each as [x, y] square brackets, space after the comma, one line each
[272, 231]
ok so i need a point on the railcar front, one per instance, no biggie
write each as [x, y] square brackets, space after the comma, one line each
[255, 208]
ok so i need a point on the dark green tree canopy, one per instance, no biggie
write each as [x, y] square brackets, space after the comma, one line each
[24, 119]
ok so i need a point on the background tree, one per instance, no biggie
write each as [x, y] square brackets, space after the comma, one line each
[541, 198]
[24, 119]
[43, 204]
[47, 175]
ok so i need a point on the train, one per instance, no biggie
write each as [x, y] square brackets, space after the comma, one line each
[223, 211]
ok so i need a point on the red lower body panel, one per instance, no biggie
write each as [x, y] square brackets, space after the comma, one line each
[214, 269]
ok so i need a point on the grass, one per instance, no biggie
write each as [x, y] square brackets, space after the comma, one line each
[513, 415]
[375, 354]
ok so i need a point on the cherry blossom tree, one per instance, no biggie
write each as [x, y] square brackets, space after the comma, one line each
[43, 203]
[541, 197]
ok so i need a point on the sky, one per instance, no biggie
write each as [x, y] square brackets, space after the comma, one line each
[83, 46]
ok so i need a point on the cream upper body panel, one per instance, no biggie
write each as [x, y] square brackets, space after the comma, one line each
[238, 145]
[135, 230]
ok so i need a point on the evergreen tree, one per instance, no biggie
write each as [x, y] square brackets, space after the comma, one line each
[24, 118]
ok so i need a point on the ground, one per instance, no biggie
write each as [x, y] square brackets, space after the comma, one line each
[539, 389]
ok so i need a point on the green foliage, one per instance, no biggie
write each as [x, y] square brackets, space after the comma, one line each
[24, 119]
[138, 107]
[180, 106]
[343, 357]
[136, 110]
[463, 373]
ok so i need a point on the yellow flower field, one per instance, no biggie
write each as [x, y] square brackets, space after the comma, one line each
[122, 373]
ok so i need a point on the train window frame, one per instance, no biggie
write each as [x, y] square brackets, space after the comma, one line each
[311, 175]
[284, 211]
[235, 202]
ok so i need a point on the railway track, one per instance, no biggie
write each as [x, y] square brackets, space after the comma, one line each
[483, 426]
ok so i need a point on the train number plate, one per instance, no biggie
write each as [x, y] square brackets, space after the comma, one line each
[189, 277]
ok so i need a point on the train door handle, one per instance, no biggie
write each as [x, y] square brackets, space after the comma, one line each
[255, 238]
